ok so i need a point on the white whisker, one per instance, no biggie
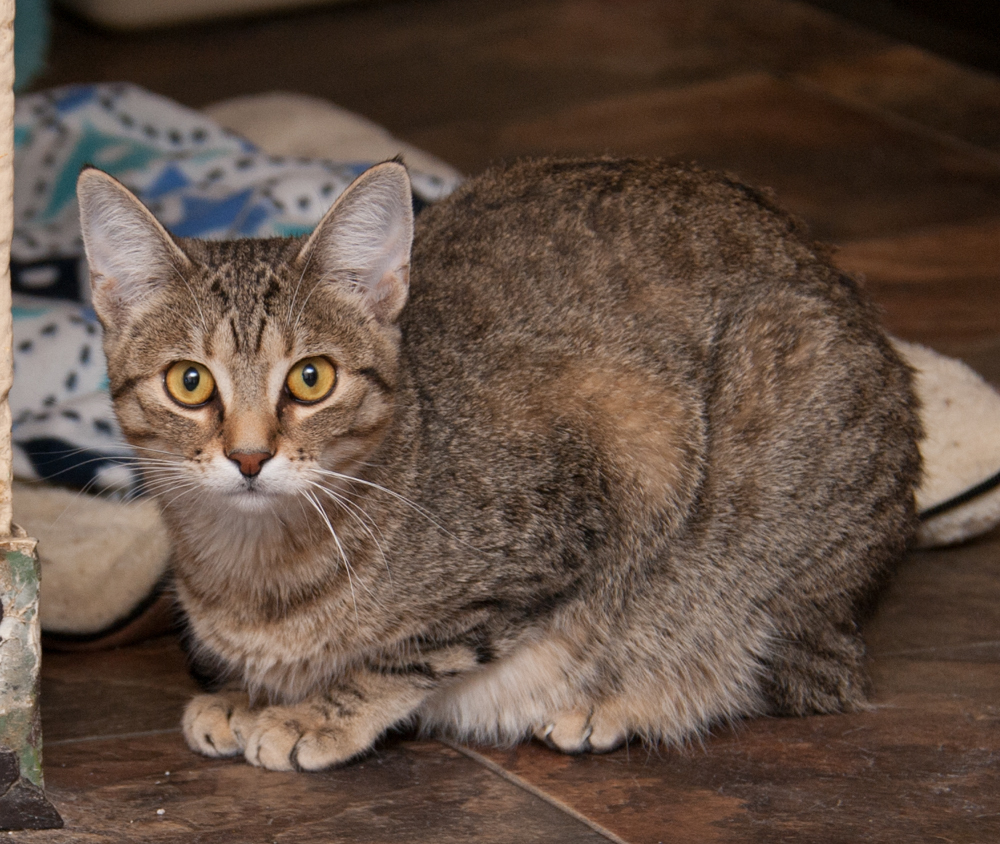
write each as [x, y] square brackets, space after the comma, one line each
[180, 490]
[402, 499]
[361, 517]
[295, 293]
[347, 566]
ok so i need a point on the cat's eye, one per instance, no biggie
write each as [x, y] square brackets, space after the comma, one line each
[189, 383]
[311, 380]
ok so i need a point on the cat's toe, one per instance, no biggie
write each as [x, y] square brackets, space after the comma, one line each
[272, 742]
[577, 732]
[569, 732]
[319, 749]
[605, 737]
[211, 724]
[284, 739]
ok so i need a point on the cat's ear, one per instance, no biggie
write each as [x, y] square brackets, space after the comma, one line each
[363, 242]
[129, 253]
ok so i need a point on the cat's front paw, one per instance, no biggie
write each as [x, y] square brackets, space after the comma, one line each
[217, 724]
[575, 732]
[305, 737]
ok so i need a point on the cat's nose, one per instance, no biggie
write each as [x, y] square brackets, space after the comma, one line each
[249, 461]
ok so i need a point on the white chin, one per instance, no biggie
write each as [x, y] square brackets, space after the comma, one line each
[252, 500]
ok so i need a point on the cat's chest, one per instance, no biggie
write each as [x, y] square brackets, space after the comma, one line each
[257, 588]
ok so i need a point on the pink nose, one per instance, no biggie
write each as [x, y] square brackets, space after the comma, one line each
[249, 461]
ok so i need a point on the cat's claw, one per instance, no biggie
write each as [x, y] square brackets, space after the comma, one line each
[577, 732]
[214, 725]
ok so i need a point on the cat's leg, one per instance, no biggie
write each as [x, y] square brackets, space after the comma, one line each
[816, 674]
[330, 729]
[538, 688]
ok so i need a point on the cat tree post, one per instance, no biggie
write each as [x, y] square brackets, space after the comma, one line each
[22, 802]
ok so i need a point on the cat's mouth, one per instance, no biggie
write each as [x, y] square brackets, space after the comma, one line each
[251, 493]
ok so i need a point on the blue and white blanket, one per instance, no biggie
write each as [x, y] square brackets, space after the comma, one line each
[198, 178]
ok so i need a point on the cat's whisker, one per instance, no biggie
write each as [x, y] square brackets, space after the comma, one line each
[78, 497]
[346, 502]
[346, 561]
[181, 490]
[402, 499]
[154, 480]
[361, 517]
[163, 468]
[166, 485]
[343, 555]
[154, 450]
[302, 309]
[298, 285]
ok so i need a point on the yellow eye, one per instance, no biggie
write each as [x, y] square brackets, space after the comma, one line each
[311, 380]
[189, 383]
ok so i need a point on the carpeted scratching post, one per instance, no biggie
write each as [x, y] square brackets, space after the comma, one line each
[23, 804]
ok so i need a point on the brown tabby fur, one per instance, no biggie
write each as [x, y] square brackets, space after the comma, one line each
[627, 463]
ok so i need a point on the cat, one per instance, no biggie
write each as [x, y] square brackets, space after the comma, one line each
[616, 453]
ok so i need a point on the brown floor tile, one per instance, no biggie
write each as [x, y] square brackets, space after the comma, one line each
[414, 64]
[156, 662]
[111, 791]
[117, 692]
[848, 173]
[76, 710]
[936, 285]
[947, 600]
[956, 100]
[904, 772]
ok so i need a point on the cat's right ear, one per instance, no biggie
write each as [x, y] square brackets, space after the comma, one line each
[129, 253]
[363, 242]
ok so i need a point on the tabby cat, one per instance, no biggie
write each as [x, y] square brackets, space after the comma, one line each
[613, 452]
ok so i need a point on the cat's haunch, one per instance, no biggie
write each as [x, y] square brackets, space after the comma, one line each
[598, 449]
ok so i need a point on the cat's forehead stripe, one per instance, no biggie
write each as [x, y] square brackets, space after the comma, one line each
[243, 280]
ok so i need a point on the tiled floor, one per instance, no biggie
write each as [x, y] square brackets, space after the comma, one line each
[888, 151]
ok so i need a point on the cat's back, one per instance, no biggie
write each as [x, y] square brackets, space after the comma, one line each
[667, 327]
[632, 262]
[555, 246]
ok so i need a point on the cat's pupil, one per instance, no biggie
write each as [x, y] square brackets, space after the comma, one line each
[309, 375]
[191, 379]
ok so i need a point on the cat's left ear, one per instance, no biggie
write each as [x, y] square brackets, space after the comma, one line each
[129, 253]
[363, 242]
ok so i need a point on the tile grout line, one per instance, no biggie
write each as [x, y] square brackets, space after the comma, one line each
[985, 155]
[515, 780]
[935, 649]
[111, 736]
[129, 684]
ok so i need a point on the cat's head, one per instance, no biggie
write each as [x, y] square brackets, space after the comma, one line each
[245, 369]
